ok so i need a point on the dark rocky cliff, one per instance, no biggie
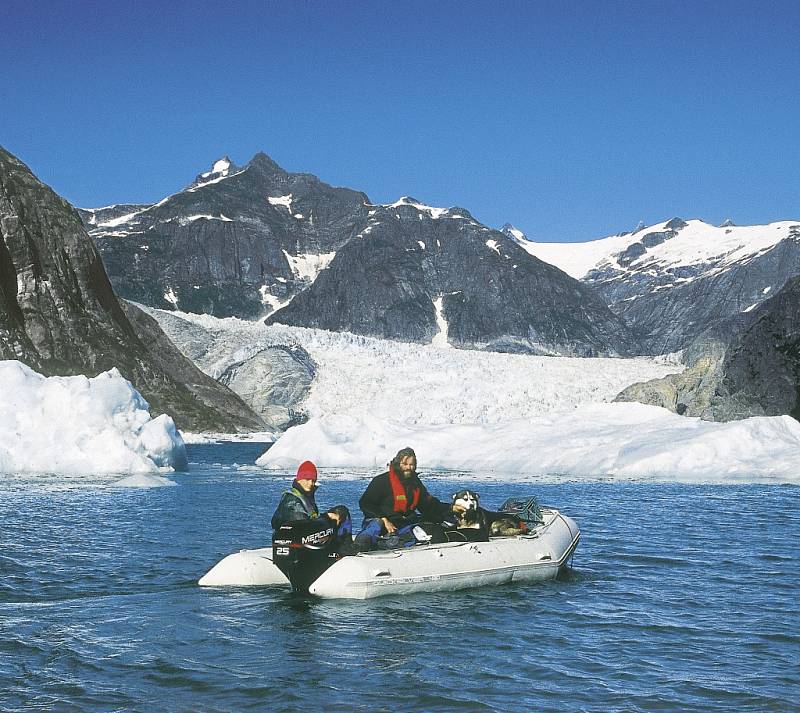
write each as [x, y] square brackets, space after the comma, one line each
[746, 366]
[410, 259]
[59, 314]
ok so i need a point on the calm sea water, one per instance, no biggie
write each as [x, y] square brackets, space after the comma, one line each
[681, 598]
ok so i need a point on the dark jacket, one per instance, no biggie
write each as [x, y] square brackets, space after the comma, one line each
[378, 499]
[294, 505]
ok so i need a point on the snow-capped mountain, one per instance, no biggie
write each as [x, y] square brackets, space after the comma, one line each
[675, 280]
[259, 240]
[236, 241]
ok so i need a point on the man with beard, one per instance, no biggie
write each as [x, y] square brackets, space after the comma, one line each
[395, 501]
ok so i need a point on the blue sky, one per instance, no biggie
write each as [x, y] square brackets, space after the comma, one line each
[572, 120]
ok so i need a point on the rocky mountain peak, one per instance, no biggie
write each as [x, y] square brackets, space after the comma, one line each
[513, 232]
[221, 168]
[265, 164]
[676, 224]
[409, 207]
[409, 200]
[727, 223]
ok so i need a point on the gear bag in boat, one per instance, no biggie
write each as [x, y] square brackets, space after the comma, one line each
[526, 509]
[304, 549]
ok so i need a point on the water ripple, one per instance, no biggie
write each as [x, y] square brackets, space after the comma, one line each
[676, 602]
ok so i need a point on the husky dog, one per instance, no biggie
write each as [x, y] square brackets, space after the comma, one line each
[471, 517]
[487, 523]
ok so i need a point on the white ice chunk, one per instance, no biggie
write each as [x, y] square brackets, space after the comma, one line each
[75, 425]
[625, 441]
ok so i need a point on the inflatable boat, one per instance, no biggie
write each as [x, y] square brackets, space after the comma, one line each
[304, 555]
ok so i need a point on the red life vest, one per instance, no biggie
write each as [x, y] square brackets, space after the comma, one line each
[399, 493]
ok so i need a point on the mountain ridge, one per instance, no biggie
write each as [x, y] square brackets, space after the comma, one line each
[261, 240]
[59, 314]
[672, 281]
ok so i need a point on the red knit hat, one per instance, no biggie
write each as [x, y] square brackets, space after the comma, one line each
[307, 471]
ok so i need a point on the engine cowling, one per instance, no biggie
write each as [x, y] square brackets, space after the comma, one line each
[304, 549]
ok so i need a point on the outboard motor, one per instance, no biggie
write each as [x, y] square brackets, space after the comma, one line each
[304, 549]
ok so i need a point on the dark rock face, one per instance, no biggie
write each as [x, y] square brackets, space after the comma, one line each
[747, 366]
[202, 401]
[59, 315]
[274, 381]
[762, 366]
[667, 307]
[412, 269]
[237, 241]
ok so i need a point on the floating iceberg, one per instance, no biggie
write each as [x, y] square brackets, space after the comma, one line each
[77, 425]
[625, 441]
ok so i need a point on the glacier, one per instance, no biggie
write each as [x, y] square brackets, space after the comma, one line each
[508, 416]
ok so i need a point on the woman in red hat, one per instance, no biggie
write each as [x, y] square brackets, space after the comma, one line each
[298, 503]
